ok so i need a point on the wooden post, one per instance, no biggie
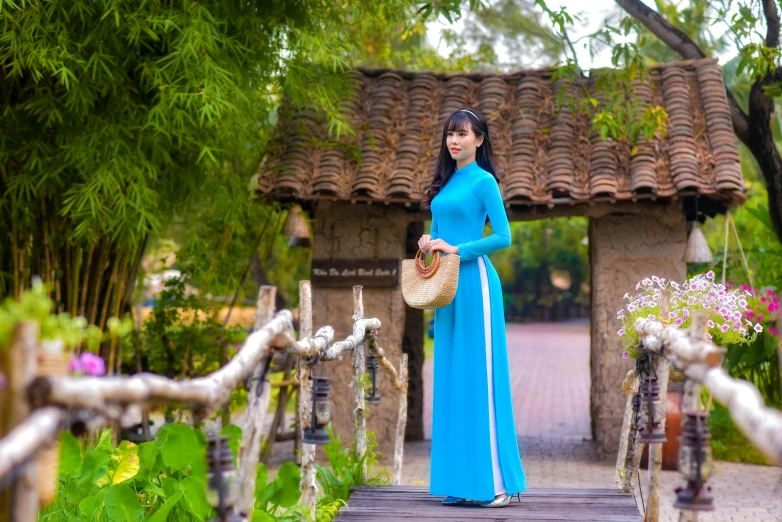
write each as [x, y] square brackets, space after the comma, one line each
[19, 503]
[257, 407]
[359, 369]
[308, 488]
[624, 470]
[691, 402]
[662, 370]
[401, 423]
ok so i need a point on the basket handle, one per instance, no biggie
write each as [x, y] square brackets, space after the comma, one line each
[420, 264]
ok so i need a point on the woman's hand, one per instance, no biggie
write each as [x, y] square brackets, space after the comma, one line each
[424, 242]
[438, 245]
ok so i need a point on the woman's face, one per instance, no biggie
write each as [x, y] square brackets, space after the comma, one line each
[462, 144]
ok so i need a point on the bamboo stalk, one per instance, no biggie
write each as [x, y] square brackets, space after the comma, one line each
[46, 254]
[359, 369]
[258, 398]
[401, 423]
[86, 283]
[308, 488]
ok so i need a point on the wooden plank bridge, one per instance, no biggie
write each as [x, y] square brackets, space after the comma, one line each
[414, 503]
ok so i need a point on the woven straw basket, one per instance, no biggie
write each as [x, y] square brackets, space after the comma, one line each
[430, 287]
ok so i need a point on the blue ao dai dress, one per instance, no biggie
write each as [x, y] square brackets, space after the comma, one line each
[475, 453]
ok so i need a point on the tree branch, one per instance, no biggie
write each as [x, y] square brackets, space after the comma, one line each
[772, 23]
[677, 40]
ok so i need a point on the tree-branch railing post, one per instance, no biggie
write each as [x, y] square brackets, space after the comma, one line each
[359, 369]
[258, 398]
[308, 487]
[661, 370]
[19, 503]
[399, 382]
[629, 443]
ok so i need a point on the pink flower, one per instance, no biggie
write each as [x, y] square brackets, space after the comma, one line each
[651, 317]
[750, 313]
[89, 363]
[678, 321]
[760, 318]
[621, 331]
[724, 328]
[770, 292]
[625, 355]
[711, 323]
[710, 274]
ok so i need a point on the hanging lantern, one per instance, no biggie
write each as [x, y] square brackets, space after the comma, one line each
[374, 378]
[651, 432]
[297, 229]
[321, 413]
[695, 464]
[222, 482]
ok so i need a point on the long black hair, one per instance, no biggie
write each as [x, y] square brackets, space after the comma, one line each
[460, 120]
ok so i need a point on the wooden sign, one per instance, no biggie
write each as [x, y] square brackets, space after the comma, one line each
[350, 272]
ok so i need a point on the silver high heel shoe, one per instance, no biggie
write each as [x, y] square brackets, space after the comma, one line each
[455, 501]
[500, 501]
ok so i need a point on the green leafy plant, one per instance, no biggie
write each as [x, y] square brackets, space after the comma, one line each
[36, 306]
[345, 471]
[160, 480]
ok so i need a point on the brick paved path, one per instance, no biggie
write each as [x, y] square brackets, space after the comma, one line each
[554, 436]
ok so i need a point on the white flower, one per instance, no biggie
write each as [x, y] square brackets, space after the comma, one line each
[758, 328]
[626, 296]
[638, 286]
[651, 317]
[621, 331]
[711, 323]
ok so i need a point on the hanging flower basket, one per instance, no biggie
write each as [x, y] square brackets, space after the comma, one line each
[727, 308]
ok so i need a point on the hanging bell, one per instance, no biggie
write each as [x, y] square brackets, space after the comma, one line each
[297, 229]
[698, 250]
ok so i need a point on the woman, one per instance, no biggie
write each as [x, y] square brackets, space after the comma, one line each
[475, 455]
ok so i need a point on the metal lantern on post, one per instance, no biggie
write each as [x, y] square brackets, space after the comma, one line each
[651, 433]
[374, 379]
[297, 229]
[321, 412]
[222, 481]
[695, 464]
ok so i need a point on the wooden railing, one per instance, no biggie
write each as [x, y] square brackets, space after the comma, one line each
[37, 408]
[700, 361]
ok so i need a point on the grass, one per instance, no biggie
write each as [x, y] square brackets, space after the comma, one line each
[728, 443]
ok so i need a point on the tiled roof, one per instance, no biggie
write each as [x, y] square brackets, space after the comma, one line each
[542, 154]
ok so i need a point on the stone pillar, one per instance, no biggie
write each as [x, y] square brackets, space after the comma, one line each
[360, 232]
[623, 250]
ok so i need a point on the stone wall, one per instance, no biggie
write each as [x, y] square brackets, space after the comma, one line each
[355, 229]
[623, 250]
